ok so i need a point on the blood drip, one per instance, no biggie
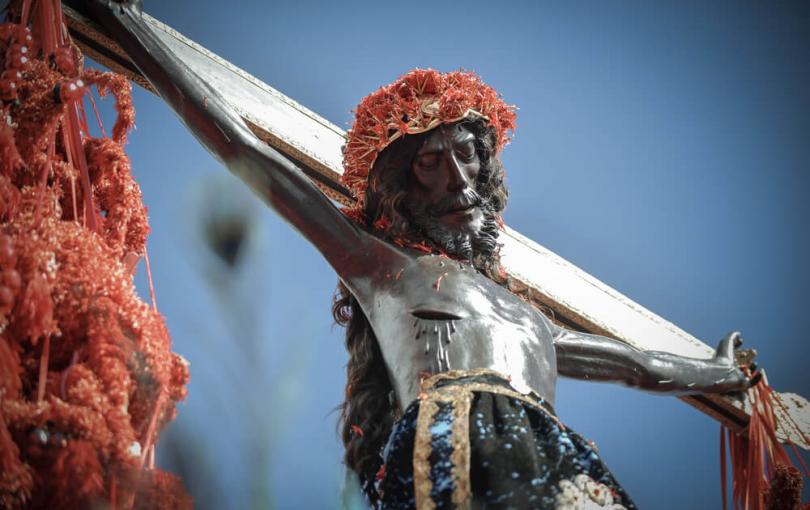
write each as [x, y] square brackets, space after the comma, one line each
[87, 376]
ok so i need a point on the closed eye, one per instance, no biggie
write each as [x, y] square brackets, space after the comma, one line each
[466, 151]
[429, 160]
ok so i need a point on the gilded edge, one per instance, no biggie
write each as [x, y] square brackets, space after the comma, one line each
[462, 495]
[428, 385]
[422, 484]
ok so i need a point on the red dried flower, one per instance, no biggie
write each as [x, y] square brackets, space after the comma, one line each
[79, 409]
[382, 223]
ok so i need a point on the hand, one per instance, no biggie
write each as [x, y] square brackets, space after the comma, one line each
[96, 9]
[134, 5]
[726, 355]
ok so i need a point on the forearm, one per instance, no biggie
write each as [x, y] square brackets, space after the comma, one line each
[598, 358]
[669, 373]
[221, 130]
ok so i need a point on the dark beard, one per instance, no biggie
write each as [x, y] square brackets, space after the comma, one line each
[477, 246]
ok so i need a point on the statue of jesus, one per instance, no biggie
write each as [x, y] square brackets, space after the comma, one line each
[451, 377]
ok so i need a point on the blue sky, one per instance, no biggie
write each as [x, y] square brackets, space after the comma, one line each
[661, 146]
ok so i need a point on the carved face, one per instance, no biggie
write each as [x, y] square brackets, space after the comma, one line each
[441, 189]
[444, 186]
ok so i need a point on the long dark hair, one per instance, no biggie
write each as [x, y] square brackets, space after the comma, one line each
[370, 408]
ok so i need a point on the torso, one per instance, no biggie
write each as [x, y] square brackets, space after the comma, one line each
[432, 314]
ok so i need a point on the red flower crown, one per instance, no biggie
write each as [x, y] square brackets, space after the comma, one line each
[416, 102]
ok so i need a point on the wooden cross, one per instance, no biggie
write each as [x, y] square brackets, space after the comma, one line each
[579, 300]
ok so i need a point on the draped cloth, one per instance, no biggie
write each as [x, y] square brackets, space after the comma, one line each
[472, 441]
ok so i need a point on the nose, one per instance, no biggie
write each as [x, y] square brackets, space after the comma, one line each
[457, 178]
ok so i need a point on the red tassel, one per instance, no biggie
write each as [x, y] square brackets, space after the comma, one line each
[763, 474]
[723, 490]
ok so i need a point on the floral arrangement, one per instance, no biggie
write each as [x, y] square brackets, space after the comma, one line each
[87, 376]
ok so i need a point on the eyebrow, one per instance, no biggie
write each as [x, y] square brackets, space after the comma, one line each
[463, 136]
[456, 138]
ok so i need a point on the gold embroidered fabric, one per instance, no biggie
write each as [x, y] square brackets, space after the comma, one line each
[438, 390]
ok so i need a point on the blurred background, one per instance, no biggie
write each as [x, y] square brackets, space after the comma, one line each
[661, 146]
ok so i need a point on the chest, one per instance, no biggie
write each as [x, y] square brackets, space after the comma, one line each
[432, 314]
[429, 293]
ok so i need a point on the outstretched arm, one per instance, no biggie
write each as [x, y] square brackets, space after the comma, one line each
[219, 128]
[598, 358]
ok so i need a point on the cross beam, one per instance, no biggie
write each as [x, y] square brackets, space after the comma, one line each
[578, 300]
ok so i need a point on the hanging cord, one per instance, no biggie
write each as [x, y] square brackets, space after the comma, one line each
[763, 475]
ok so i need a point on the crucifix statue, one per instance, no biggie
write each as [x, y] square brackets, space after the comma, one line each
[451, 376]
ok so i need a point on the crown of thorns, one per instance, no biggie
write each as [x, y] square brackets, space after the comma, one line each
[416, 102]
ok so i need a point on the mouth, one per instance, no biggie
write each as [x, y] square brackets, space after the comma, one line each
[455, 210]
[458, 206]
[460, 210]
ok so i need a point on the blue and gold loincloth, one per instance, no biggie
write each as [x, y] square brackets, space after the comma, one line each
[472, 441]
